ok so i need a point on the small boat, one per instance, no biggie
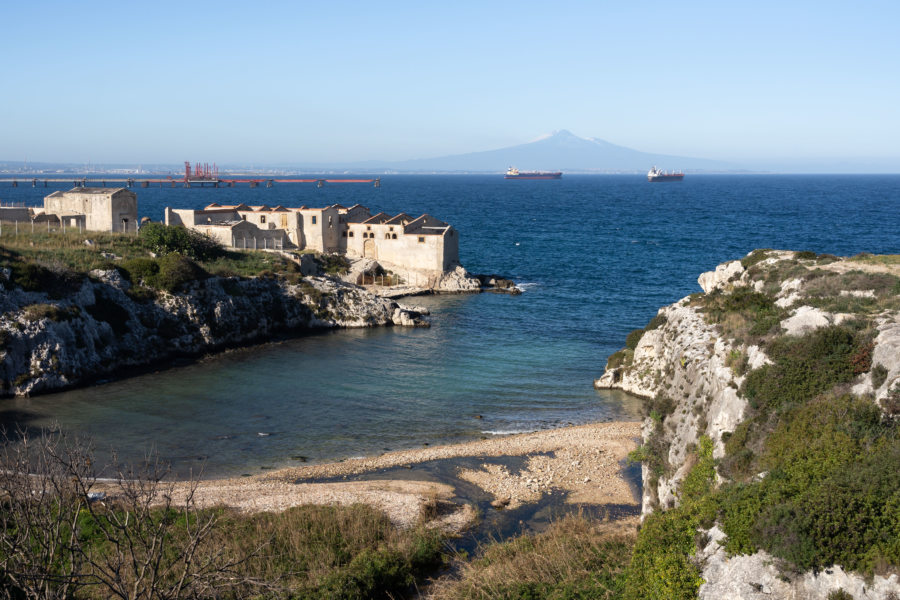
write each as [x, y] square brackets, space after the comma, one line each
[655, 174]
[514, 173]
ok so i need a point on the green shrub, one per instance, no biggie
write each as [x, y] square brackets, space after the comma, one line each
[891, 403]
[164, 239]
[33, 277]
[737, 361]
[739, 455]
[700, 479]
[879, 375]
[138, 270]
[333, 264]
[634, 338]
[619, 359]
[167, 272]
[176, 270]
[803, 367]
[662, 564]
[656, 322]
[805, 255]
[832, 492]
[659, 407]
[754, 257]
[742, 312]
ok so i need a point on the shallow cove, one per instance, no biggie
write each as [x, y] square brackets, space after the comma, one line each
[333, 395]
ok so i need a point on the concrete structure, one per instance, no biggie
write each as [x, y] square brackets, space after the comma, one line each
[94, 209]
[423, 244]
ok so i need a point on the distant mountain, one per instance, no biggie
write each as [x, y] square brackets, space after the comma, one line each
[562, 151]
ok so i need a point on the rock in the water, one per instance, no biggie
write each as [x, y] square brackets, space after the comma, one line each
[458, 280]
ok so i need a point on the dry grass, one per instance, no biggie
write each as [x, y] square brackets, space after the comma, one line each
[575, 557]
[76, 253]
[308, 549]
[877, 259]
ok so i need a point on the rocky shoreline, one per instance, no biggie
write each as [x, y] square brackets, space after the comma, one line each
[582, 462]
[97, 329]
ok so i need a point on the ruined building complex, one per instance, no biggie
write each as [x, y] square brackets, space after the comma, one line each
[422, 243]
[93, 209]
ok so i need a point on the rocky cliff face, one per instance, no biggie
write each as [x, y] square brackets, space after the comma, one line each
[690, 367]
[98, 328]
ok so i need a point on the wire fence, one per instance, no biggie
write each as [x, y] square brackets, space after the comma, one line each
[389, 280]
[15, 227]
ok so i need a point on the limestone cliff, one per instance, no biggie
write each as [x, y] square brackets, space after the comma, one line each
[97, 328]
[691, 364]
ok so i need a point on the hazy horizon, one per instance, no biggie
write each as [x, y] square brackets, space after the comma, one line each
[795, 88]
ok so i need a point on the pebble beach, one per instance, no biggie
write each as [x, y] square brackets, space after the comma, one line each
[583, 462]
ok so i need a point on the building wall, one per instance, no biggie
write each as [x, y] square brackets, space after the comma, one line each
[321, 229]
[190, 218]
[244, 235]
[175, 216]
[426, 252]
[294, 228]
[451, 250]
[102, 211]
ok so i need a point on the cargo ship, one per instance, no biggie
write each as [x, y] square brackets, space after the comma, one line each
[514, 173]
[655, 174]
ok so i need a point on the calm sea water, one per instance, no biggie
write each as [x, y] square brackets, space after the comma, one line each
[597, 256]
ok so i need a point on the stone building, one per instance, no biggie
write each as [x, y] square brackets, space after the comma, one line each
[94, 209]
[423, 243]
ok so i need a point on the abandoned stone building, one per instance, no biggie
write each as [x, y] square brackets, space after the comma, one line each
[422, 243]
[92, 209]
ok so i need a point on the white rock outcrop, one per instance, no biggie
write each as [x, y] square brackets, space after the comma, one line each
[97, 328]
[757, 577]
[458, 280]
[805, 319]
[683, 360]
[688, 361]
[724, 274]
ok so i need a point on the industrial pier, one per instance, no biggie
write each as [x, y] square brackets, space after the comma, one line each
[201, 175]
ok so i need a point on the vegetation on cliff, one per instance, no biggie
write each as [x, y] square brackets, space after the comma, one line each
[77, 306]
[54, 262]
[810, 472]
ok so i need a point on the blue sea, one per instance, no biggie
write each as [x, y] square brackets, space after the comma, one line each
[596, 256]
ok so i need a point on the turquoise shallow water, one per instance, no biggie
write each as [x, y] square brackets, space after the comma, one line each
[597, 255]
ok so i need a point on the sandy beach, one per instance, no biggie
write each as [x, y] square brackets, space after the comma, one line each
[583, 462]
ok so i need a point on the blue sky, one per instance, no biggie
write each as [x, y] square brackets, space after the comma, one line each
[286, 82]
